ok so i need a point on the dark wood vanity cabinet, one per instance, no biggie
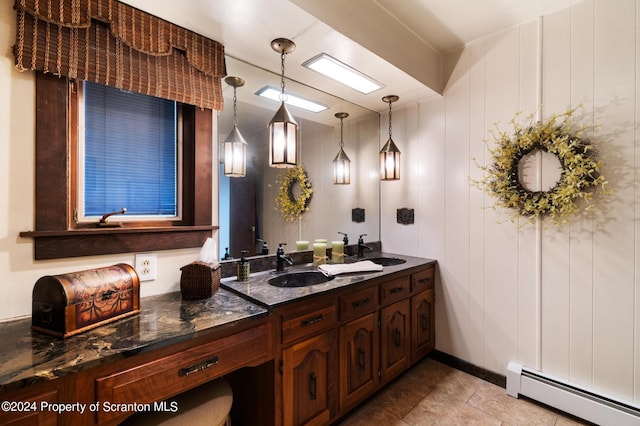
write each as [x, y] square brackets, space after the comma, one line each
[338, 349]
[24, 405]
[310, 361]
[166, 376]
[423, 324]
[423, 339]
[146, 378]
[394, 339]
[308, 380]
[359, 345]
[359, 360]
[384, 329]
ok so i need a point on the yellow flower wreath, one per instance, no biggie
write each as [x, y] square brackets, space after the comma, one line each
[290, 207]
[578, 159]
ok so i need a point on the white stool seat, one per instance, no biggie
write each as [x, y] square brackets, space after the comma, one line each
[207, 405]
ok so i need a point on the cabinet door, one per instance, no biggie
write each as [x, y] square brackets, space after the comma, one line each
[359, 360]
[422, 324]
[308, 381]
[394, 322]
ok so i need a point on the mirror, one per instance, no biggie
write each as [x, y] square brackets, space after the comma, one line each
[247, 208]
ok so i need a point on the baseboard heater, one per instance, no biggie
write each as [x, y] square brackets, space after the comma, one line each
[569, 398]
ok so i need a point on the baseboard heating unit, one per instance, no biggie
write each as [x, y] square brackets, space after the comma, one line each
[569, 398]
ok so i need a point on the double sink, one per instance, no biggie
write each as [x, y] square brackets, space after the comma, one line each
[307, 278]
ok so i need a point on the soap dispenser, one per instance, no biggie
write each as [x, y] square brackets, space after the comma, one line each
[265, 248]
[243, 267]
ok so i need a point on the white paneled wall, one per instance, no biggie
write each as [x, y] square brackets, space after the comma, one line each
[563, 300]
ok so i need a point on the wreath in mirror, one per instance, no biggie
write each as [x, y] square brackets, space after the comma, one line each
[294, 194]
[579, 173]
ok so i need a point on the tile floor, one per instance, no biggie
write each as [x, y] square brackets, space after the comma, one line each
[432, 393]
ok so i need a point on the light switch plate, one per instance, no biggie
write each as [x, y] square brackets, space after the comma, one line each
[146, 266]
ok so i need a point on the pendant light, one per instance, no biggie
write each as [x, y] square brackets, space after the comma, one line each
[234, 146]
[390, 154]
[341, 164]
[283, 129]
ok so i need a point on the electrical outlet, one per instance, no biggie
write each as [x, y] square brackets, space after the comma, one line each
[146, 266]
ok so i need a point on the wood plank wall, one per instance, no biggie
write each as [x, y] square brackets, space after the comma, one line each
[566, 301]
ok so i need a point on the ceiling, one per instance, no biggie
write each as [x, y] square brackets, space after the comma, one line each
[397, 42]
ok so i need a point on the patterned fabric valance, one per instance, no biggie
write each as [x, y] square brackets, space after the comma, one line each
[111, 43]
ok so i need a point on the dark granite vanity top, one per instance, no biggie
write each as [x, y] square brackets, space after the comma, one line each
[30, 356]
[258, 290]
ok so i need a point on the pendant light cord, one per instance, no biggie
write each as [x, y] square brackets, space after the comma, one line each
[235, 108]
[389, 120]
[341, 142]
[282, 95]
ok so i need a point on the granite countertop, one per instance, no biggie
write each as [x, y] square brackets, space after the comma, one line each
[31, 356]
[258, 290]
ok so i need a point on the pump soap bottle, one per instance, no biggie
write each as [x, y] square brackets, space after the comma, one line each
[242, 268]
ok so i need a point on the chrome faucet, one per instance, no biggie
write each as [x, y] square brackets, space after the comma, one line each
[281, 258]
[362, 246]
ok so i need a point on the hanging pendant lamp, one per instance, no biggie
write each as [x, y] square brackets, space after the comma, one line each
[234, 146]
[283, 128]
[341, 164]
[390, 154]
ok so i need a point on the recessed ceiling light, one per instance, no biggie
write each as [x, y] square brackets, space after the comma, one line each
[270, 92]
[342, 73]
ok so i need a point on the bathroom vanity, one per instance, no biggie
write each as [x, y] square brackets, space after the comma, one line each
[301, 355]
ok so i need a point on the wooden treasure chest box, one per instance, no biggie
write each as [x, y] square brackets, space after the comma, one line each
[68, 304]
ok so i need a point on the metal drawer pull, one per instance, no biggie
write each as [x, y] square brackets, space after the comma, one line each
[313, 386]
[396, 290]
[424, 280]
[361, 359]
[424, 322]
[360, 303]
[198, 367]
[311, 321]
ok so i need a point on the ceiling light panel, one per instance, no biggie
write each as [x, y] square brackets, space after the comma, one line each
[342, 73]
[270, 92]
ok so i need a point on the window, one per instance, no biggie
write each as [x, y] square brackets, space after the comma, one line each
[57, 234]
[64, 40]
[128, 155]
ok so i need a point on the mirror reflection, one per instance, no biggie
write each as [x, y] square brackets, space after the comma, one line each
[248, 217]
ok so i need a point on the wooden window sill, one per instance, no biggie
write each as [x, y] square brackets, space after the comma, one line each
[90, 242]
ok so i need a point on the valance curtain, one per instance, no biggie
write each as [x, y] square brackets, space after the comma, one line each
[110, 43]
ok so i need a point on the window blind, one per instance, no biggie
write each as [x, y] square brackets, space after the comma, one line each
[130, 153]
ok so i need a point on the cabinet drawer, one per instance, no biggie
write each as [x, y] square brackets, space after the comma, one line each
[24, 408]
[308, 323]
[394, 290]
[358, 303]
[173, 374]
[422, 280]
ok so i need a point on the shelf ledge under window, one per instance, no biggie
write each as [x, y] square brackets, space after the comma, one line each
[98, 241]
